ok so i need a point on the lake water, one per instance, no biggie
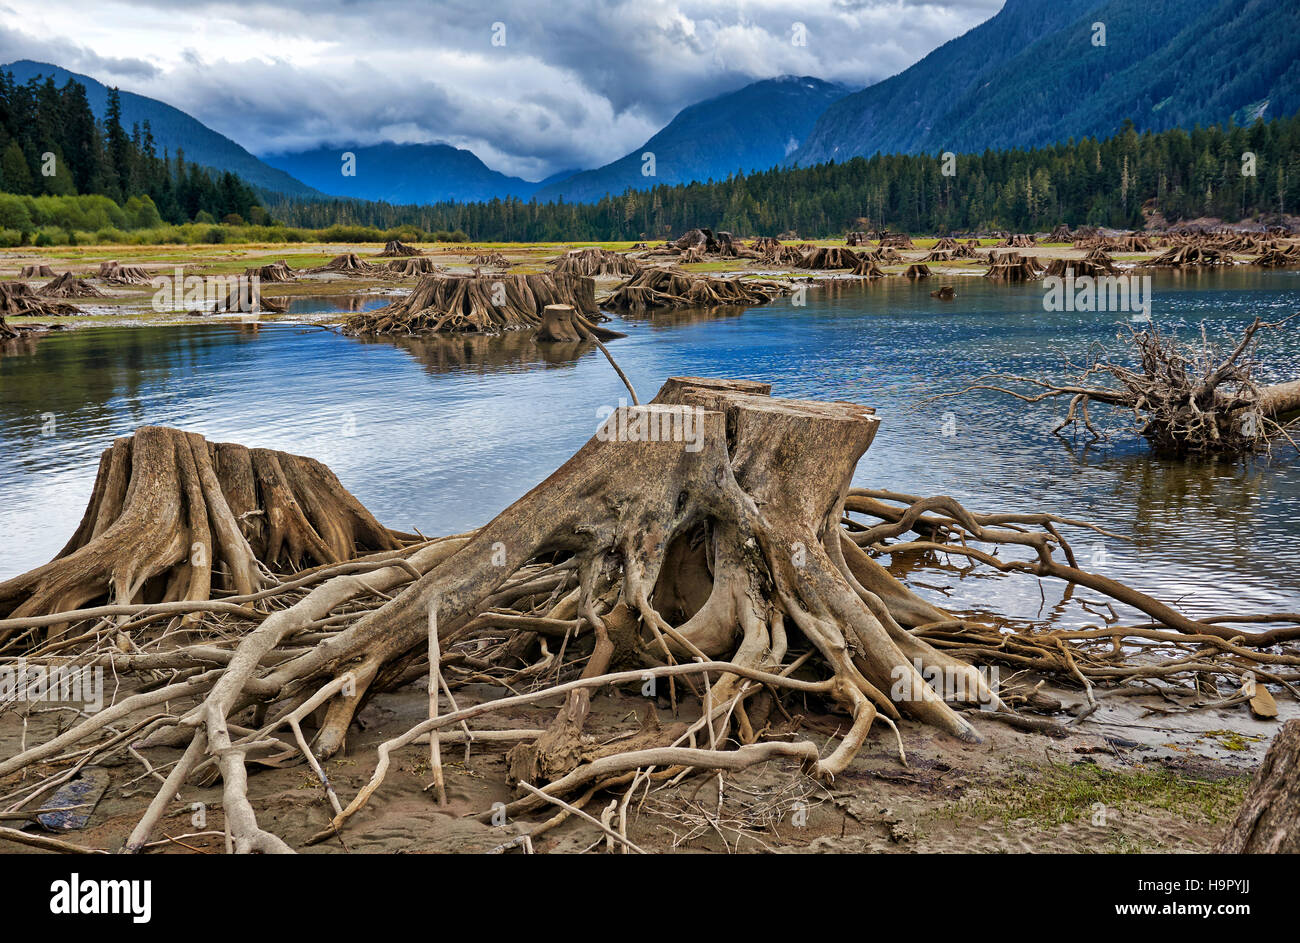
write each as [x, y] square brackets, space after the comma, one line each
[441, 434]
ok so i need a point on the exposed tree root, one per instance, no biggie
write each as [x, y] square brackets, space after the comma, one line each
[173, 516]
[708, 541]
[17, 299]
[115, 273]
[395, 248]
[275, 272]
[1184, 397]
[594, 261]
[485, 304]
[674, 288]
[68, 285]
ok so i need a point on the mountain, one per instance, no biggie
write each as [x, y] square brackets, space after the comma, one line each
[1031, 76]
[754, 128]
[172, 129]
[403, 173]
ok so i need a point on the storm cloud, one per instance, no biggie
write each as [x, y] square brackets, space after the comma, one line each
[530, 87]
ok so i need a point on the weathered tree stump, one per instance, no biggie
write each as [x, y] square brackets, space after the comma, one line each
[395, 248]
[594, 261]
[68, 285]
[275, 272]
[36, 271]
[17, 299]
[410, 268]
[673, 288]
[349, 263]
[1013, 267]
[563, 323]
[478, 304]
[1269, 820]
[116, 273]
[172, 514]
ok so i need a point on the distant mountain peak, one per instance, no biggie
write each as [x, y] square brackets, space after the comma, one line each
[750, 128]
[402, 173]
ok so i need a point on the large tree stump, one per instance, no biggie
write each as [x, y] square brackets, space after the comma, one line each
[674, 288]
[594, 261]
[485, 304]
[172, 514]
[714, 485]
[1269, 820]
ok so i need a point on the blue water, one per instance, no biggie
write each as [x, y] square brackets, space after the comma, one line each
[439, 435]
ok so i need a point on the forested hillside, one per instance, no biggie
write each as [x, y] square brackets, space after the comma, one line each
[1040, 73]
[1108, 182]
[52, 147]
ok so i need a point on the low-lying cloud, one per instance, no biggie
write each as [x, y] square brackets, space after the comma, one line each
[531, 88]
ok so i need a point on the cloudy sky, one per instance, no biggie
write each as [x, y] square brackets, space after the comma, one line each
[530, 86]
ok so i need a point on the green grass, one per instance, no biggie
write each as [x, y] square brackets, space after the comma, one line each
[1051, 796]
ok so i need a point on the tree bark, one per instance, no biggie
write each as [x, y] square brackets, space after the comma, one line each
[1269, 820]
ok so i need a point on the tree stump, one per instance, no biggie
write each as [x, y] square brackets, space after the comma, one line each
[1269, 820]
[171, 514]
[395, 249]
[485, 304]
[673, 288]
[563, 323]
[594, 261]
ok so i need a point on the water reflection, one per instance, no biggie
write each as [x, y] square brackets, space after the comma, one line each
[439, 434]
[485, 354]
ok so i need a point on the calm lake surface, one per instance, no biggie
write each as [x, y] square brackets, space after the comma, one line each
[440, 435]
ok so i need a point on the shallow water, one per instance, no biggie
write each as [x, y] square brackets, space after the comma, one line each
[439, 435]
